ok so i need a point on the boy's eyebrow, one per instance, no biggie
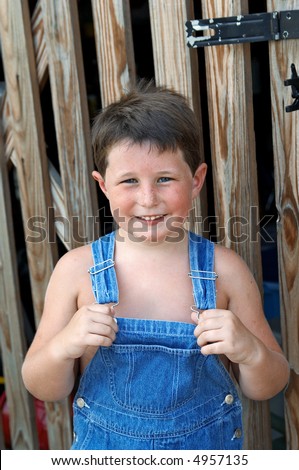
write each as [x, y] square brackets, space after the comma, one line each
[167, 172]
[131, 174]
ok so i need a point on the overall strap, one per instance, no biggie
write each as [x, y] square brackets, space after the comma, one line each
[201, 254]
[102, 274]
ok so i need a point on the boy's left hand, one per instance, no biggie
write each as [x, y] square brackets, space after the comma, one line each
[222, 332]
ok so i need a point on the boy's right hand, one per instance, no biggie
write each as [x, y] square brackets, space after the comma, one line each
[92, 325]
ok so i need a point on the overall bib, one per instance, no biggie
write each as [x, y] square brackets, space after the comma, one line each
[153, 389]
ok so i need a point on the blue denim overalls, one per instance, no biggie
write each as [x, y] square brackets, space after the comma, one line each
[153, 389]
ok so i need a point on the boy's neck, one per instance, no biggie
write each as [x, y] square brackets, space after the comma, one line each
[166, 246]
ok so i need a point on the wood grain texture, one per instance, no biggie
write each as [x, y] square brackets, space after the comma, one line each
[232, 139]
[31, 163]
[42, 74]
[291, 412]
[234, 172]
[114, 44]
[69, 98]
[176, 66]
[286, 167]
[39, 44]
[62, 229]
[20, 405]
[28, 140]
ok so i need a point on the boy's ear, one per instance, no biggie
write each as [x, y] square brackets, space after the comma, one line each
[199, 179]
[101, 182]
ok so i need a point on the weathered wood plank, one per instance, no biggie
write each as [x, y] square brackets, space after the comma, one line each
[41, 67]
[27, 133]
[69, 98]
[291, 412]
[61, 228]
[39, 44]
[114, 44]
[286, 144]
[176, 66]
[21, 413]
[234, 171]
[28, 140]
[7, 132]
[31, 163]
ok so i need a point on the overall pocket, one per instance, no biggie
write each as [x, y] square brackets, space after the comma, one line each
[152, 379]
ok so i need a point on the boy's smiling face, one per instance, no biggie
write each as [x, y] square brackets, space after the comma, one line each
[149, 192]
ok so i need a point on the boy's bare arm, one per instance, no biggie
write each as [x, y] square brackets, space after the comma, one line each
[65, 332]
[241, 331]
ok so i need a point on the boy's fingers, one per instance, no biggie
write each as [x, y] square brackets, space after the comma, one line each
[196, 314]
[112, 306]
[106, 309]
[103, 308]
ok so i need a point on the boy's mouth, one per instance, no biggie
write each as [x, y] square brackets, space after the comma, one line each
[151, 218]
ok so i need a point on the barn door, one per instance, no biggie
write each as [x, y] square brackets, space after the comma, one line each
[285, 129]
[233, 153]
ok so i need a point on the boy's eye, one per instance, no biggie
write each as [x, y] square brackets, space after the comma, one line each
[130, 181]
[164, 179]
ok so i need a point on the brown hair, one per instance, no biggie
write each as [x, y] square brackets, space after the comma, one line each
[147, 113]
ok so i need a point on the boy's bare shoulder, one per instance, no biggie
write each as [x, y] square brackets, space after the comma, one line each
[236, 285]
[233, 272]
[227, 261]
[70, 277]
[76, 259]
[72, 268]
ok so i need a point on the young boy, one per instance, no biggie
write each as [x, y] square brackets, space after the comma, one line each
[136, 313]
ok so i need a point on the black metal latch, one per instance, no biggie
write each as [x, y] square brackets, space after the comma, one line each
[294, 83]
[255, 27]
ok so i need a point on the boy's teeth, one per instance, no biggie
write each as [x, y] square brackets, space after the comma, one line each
[153, 217]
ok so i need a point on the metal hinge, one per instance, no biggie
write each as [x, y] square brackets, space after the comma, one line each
[255, 27]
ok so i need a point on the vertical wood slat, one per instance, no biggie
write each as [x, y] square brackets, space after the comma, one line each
[114, 45]
[176, 65]
[39, 44]
[41, 67]
[26, 121]
[69, 98]
[61, 229]
[286, 167]
[31, 163]
[23, 433]
[234, 171]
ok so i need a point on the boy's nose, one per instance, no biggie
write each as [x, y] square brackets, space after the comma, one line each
[148, 196]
